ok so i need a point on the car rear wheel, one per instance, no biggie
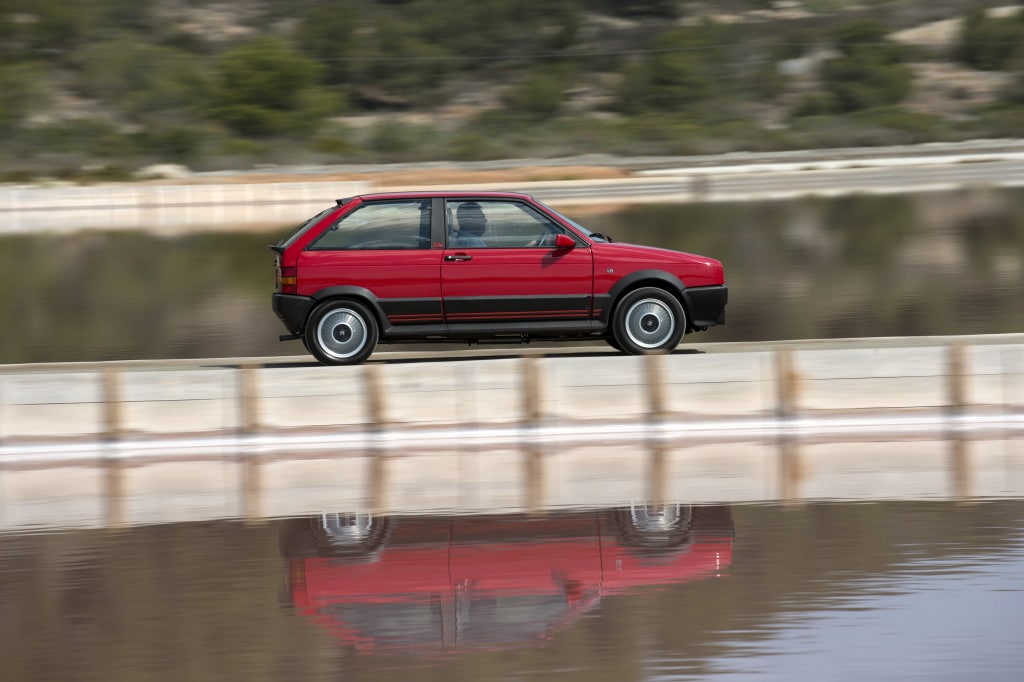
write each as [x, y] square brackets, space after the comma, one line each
[341, 333]
[648, 320]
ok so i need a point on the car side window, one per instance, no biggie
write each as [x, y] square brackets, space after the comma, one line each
[379, 226]
[499, 224]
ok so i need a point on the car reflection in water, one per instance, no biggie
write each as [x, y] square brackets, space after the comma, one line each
[415, 583]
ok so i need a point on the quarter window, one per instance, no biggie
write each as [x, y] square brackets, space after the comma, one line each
[379, 226]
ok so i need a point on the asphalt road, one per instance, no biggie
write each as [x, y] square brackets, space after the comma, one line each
[442, 353]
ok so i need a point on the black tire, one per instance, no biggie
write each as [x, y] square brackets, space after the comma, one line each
[610, 340]
[648, 320]
[357, 536]
[341, 332]
[655, 526]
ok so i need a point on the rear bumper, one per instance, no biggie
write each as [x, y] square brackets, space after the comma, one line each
[292, 311]
[706, 305]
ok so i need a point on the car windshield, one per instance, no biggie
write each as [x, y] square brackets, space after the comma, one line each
[287, 241]
[596, 236]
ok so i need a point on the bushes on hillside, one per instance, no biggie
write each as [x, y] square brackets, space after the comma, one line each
[990, 43]
[869, 71]
[264, 88]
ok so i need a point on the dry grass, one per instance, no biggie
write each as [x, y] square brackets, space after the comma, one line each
[446, 177]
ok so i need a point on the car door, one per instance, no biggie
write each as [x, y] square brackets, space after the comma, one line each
[502, 269]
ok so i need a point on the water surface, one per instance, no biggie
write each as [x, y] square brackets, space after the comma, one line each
[837, 591]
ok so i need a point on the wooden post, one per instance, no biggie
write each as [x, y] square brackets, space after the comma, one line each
[657, 474]
[530, 387]
[376, 406]
[787, 385]
[113, 492]
[654, 366]
[959, 466]
[533, 453]
[790, 471]
[957, 382]
[533, 477]
[252, 487]
[376, 414]
[378, 482]
[248, 400]
[111, 379]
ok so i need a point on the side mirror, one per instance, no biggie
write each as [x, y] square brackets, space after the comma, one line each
[564, 241]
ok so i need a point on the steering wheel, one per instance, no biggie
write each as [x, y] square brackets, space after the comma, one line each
[547, 240]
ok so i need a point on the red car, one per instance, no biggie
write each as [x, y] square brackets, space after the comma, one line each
[418, 584]
[480, 266]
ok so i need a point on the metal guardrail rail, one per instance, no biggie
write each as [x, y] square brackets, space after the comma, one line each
[204, 203]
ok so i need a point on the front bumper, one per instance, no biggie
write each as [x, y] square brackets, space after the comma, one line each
[706, 305]
[292, 310]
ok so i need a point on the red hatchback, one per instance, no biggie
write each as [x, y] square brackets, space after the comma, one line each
[481, 266]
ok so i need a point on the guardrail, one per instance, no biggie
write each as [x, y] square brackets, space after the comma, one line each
[204, 203]
[511, 433]
[167, 207]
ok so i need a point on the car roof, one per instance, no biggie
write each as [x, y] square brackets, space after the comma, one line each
[445, 194]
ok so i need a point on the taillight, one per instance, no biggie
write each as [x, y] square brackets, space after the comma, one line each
[287, 279]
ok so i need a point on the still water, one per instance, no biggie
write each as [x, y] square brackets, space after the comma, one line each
[937, 263]
[823, 591]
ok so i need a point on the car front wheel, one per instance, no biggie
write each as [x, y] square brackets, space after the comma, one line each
[341, 333]
[648, 320]
[655, 526]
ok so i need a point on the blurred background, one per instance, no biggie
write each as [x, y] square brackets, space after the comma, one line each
[159, 92]
[103, 98]
[98, 89]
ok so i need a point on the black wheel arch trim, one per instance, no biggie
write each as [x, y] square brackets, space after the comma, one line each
[354, 292]
[666, 280]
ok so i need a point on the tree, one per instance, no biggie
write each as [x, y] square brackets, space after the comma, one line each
[326, 34]
[869, 71]
[677, 73]
[539, 96]
[990, 43]
[140, 78]
[260, 86]
[22, 86]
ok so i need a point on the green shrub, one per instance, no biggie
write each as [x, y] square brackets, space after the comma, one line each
[869, 71]
[538, 97]
[333, 144]
[470, 146]
[990, 43]
[392, 140]
[259, 88]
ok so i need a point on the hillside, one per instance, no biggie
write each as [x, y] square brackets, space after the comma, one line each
[99, 88]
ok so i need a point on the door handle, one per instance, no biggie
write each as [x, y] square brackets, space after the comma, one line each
[458, 256]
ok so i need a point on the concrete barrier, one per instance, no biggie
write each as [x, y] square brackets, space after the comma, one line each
[114, 401]
[115, 443]
[171, 208]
